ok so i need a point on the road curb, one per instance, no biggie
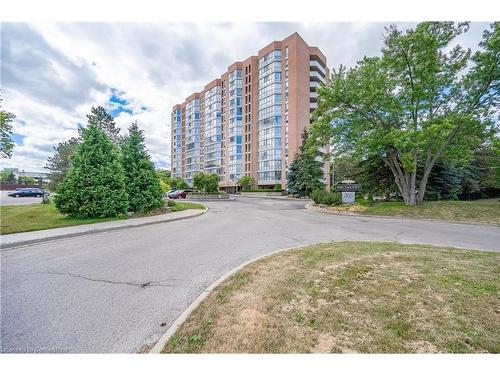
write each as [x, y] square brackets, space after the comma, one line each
[94, 231]
[160, 344]
[311, 207]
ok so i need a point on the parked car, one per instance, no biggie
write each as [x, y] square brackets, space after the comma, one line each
[172, 193]
[167, 194]
[191, 191]
[179, 194]
[27, 192]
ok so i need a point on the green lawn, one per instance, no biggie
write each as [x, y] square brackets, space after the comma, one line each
[24, 218]
[349, 297]
[181, 206]
[480, 211]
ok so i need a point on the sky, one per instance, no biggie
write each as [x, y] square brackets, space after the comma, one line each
[53, 73]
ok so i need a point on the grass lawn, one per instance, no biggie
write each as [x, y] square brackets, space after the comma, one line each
[24, 218]
[480, 211]
[181, 206]
[352, 297]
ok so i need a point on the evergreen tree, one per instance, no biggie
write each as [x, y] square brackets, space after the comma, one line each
[94, 186]
[305, 174]
[142, 182]
[99, 117]
[375, 177]
[60, 163]
[444, 182]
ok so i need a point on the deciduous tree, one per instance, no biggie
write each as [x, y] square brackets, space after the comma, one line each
[246, 182]
[425, 99]
[6, 143]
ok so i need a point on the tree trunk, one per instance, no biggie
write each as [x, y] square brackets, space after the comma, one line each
[423, 184]
[404, 180]
[413, 198]
[413, 182]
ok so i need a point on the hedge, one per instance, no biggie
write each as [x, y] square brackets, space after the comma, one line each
[324, 197]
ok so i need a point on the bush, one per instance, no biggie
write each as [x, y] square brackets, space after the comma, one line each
[277, 187]
[170, 203]
[324, 197]
[361, 200]
[164, 186]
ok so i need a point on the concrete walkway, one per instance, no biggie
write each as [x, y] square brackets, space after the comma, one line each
[26, 238]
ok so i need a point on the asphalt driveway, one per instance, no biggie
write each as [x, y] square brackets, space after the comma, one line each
[119, 291]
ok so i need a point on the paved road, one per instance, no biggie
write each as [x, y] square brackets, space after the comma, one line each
[110, 292]
[5, 200]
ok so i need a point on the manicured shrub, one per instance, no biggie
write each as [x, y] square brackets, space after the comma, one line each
[170, 203]
[277, 187]
[324, 197]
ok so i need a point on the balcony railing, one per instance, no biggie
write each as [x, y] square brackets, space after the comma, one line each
[317, 76]
[315, 64]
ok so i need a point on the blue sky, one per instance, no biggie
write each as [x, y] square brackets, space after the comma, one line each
[53, 73]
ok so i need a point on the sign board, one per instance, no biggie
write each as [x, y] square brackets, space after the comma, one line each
[348, 197]
[348, 187]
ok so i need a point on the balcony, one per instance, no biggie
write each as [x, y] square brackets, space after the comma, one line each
[315, 65]
[313, 85]
[315, 76]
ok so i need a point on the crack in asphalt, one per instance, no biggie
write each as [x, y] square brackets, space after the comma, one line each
[396, 236]
[129, 283]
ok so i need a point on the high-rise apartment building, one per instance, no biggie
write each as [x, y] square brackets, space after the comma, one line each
[250, 120]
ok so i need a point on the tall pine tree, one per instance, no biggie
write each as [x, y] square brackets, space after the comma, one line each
[304, 174]
[95, 184]
[142, 182]
[102, 119]
[60, 163]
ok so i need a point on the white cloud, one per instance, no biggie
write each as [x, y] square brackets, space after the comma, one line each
[53, 73]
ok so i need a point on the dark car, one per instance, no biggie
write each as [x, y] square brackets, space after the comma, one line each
[27, 192]
[178, 194]
[182, 193]
[172, 194]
